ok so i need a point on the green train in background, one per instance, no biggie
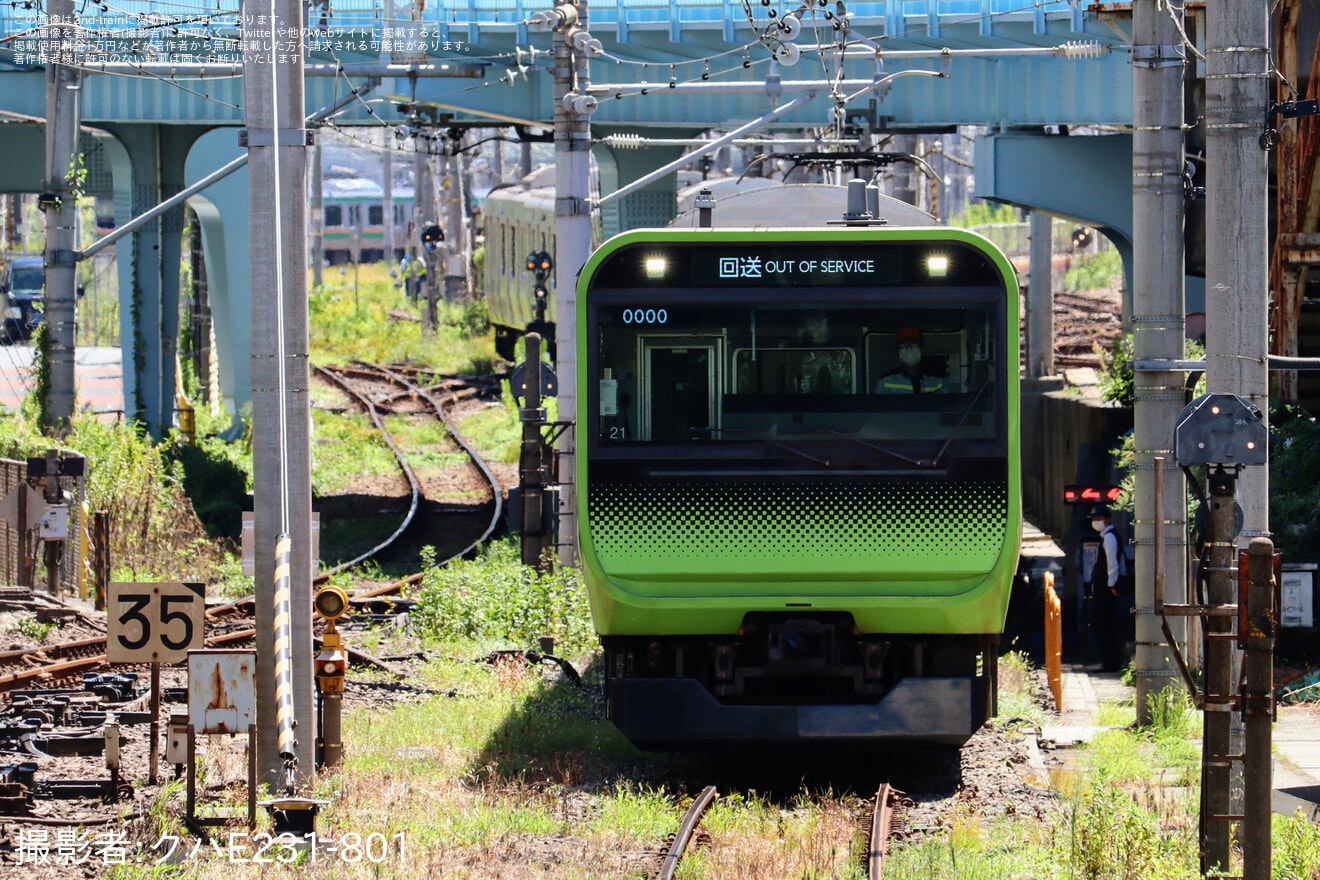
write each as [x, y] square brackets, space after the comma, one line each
[781, 543]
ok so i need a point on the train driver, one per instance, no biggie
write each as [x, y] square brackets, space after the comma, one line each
[909, 377]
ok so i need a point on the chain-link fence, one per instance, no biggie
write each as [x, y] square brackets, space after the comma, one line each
[69, 553]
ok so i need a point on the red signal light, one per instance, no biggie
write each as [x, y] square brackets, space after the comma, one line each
[1080, 494]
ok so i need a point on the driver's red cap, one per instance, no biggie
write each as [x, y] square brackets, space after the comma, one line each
[908, 334]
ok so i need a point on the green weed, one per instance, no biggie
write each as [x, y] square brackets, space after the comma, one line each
[1099, 272]
[1296, 848]
[32, 628]
[496, 599]
[378, 323]
[1017, 692]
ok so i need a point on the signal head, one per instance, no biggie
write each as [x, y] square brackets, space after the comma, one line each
[331, 602]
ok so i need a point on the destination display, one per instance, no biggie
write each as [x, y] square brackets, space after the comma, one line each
[806, 264]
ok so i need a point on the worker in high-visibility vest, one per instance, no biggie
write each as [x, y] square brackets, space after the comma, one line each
[910, 377]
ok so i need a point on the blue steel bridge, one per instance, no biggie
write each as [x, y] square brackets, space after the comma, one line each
[162, 97]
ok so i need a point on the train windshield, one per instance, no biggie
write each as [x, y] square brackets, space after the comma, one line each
[797, 377]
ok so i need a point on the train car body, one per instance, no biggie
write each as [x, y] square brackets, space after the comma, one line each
[354, 220]
[518, 220]
[778, 545]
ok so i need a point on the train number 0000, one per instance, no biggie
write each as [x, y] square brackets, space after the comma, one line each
[645, 316]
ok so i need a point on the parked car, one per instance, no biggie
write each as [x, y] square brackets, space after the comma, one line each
[24, 298]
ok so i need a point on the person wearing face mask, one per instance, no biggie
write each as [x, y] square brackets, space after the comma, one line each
[1105, 585]
[909, 378]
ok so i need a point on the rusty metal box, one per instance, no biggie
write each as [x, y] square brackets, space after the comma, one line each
[176, 745]
[222, 690]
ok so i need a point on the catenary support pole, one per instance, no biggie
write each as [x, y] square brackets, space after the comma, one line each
[455, 224]
[281, 415]
[433, 260]
[572, 247]
[1237, 89]
[60, 204]
[1158, 332]
[1238, 73]
[1040, 298]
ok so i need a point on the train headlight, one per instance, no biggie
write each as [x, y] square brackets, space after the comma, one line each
[331, 602]
[937, 266]
[655, 267]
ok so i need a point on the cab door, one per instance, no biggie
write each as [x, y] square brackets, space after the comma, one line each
[682, 388]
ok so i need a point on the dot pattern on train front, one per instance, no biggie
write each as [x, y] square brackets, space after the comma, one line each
[799, 525]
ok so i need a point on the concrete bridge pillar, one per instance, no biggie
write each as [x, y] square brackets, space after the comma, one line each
[149, 267]
[222, 214]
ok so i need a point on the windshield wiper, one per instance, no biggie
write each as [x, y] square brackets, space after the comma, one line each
[825, 462]
[916, 462]
[961, 419]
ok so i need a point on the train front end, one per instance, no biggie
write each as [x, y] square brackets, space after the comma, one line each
[793, 529]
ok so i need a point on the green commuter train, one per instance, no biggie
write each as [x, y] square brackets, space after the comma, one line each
[788, 534]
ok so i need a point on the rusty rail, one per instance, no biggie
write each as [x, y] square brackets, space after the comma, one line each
[685, 832]
[881, 820]
[480, 463]
[414, 485]
[65, 668]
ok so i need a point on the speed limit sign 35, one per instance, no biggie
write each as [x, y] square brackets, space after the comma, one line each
[154, 623]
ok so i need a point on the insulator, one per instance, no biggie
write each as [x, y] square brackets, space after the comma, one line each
[624, 141]
[580, 105]
[1075, 49]
[788, 54]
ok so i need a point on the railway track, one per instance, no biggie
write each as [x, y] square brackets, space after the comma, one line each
[686, 829]
[884, 820]
[49, 664]
[378, 388]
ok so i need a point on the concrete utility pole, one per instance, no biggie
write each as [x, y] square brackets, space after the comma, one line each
[1158, 328]
[1040, 298]
[455, 224]
[281, 415]
[1237, 92]
[424, 198]
[572, 244]
[318, 216]
[60, 204]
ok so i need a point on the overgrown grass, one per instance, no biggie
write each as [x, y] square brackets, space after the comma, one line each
[154, 531]
[497, 601]
[1098, 272]
[345, 446]
[1017, 694]
[380, 324]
